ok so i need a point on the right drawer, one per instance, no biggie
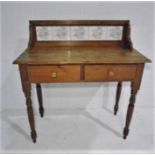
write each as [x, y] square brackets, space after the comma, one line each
[110, 72]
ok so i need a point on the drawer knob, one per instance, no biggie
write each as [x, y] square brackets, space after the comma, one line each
[111, 73]
[54, 75]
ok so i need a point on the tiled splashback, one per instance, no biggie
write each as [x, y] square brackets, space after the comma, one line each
[47, 33]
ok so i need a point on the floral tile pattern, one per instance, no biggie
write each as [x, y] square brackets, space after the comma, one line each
[79, 33]
[53, 33]
[97, 33]
[114, 32]
[61, 33]
[43, 33]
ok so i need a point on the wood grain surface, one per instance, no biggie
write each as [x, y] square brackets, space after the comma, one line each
[80, 55]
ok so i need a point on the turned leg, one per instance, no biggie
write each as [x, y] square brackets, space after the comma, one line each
[26, 85]
[118, 93]
[130, 110]
[39, 94]
[31, 117]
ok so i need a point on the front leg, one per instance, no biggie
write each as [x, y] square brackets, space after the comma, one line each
[31, 116]
[130, 110]
[135, 85]
[26, 85]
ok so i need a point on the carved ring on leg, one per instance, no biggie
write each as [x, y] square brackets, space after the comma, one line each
[31, 118]
[129, 112]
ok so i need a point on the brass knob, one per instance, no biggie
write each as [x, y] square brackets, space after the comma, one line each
[111, 73]
[53, 74]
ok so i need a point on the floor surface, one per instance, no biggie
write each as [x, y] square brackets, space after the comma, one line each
[91, 128]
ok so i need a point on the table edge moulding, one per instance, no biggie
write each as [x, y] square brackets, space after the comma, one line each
[63, 51]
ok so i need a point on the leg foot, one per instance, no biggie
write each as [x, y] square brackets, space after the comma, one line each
[115, 111]
[31, 118]
[130, 110]
[125, 133]
[41, 111]
[33, 136]
[124, 137]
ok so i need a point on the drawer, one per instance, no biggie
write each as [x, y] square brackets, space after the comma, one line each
[54, 73]
[110, 72]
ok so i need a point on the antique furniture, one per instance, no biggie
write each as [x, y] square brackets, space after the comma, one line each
[80, 51]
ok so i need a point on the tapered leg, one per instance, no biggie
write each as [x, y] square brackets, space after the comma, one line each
[26, 85]
[39, 94]
[130, 110]
[118, 93]
[31, 117]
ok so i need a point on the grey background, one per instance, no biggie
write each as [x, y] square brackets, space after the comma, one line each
[78, 117]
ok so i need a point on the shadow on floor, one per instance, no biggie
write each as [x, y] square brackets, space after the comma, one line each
[60, 129]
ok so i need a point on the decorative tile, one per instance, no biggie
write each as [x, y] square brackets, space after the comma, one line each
[61, 33]
[46, 33]
[114, 32]
[43, 33]
[97, 32]
[79, 33]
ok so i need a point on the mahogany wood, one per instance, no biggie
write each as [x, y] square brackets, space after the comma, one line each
[80, 61]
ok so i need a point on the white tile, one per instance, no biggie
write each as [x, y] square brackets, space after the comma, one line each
[43, 33]
[61, 32]
[97, 32]
[79, 33]
[114, 32]
[49, 33]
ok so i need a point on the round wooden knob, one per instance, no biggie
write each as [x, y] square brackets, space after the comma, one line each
[53, 74]
[111, 73]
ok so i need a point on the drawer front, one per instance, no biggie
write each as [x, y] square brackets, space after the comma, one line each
[47, 73]
[109, 72]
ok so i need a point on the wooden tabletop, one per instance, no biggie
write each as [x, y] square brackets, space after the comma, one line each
[80, 55]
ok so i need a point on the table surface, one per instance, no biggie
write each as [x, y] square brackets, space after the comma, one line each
[80, 55]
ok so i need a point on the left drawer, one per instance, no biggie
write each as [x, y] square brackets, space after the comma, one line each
[54, 73]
